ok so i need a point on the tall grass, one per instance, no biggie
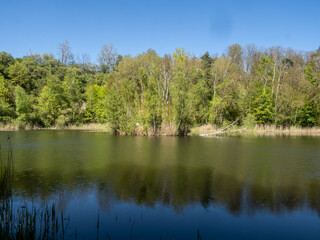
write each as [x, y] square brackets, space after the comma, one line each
[260, 130]
[86, 127]
[6, 172]
[290, 131]
[18, 222]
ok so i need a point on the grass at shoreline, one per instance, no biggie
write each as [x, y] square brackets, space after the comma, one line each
[258, 130]
[85, 127]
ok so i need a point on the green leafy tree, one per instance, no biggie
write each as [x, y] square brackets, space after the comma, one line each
[20, 75]
[308, 116]
[73, 92]
[95, 97]
[6, 109]
[6, 60]
[115, 112]
[263, 108]
[265, 71]
[180, 91]
[152, 102]
[51, 101]
[23, 105]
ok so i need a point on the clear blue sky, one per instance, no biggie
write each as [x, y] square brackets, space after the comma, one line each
[135, 26]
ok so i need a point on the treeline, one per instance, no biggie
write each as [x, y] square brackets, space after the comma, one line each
[148, 94]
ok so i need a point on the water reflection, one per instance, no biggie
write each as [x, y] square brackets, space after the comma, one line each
[243, 175]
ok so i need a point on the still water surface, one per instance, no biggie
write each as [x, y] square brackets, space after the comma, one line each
[171, 187]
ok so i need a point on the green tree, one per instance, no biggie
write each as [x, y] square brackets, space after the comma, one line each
[95, 97]
[308, 116]
[20, 75]
[263, 108]
[6, 109]
[6, 60]
[73, 90]
[23, 105]
[116, 114]
[265, 71]
[180, 91]
[52, 101]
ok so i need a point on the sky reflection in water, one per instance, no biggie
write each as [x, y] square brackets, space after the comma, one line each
[143, 188]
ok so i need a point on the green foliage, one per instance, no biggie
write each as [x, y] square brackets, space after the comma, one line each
[23, 105]
[95, 97]
[308, 115]
[73, 89]
[6, 110]
[115, 111]
[263, 108]
[216, 110]
[146, 93]
[5, 60]
[180, 92]
[20, 75]
[312, 73]
[249, 121]
[51, 101]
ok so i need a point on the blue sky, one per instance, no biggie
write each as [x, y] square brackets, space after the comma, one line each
[38, 26]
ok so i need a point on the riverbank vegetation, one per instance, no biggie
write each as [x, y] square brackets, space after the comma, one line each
[257, 130]
[153, 95]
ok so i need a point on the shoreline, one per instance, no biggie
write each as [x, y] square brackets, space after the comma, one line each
[84, 127]
[258, 130]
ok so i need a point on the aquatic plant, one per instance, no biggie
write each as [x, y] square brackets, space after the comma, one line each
[6, 172]
[21, 222]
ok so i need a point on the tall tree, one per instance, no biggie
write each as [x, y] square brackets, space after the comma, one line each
[6, 109]
[64, 52]
[108, 58]
[5, 60]
[235, 53]
[23, 105]
[180, 91]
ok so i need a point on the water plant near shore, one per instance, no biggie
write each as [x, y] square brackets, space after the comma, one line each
[20, 221]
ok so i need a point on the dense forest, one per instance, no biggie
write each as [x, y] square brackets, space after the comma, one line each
[147, 94]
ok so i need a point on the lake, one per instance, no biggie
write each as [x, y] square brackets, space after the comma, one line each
[123, 187]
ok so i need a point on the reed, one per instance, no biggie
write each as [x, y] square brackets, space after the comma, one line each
[24, 223]
[269, 130]
[21, 222]
[86, 127]
[260, 130]
[6, 172]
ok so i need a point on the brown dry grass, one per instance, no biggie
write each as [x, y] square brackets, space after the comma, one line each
[167, 129]
[85, 127]
[204, 129]
[15, 127]
[99, 127]
[262, 130]
[269, 130]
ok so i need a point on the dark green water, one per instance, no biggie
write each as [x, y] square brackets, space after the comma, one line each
[171, 187]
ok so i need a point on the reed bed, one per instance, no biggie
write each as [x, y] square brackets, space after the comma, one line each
[260, 130]
[204, 129]
[166, 129]
[270, 130]
[85, 127]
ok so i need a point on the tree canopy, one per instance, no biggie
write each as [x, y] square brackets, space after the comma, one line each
[147, 92]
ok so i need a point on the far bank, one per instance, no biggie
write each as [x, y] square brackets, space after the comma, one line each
[207, 130]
